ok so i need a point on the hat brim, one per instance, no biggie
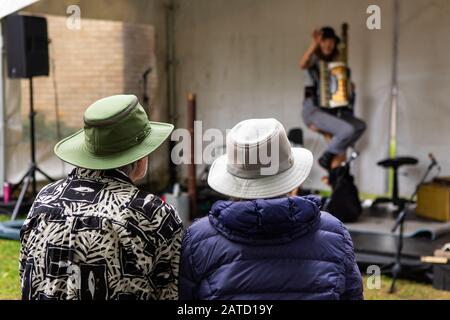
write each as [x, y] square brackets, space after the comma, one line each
[73, 149]
[266, 187]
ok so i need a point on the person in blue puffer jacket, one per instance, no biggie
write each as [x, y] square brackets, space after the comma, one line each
[264, 244]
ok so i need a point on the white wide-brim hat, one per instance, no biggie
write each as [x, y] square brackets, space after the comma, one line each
[244, 179]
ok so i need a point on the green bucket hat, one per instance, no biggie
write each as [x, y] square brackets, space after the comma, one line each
[116, 132]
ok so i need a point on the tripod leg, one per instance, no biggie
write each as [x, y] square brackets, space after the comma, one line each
[25, 186]
[392, 288]
[397, 268]
[33, 183]
[16, 185]
[395, 273]
[45, 175]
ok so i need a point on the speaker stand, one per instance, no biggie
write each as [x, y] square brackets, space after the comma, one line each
[30, 176]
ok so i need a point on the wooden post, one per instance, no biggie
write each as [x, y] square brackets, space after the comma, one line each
[192, 181]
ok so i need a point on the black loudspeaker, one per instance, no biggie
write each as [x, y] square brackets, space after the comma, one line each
[26, 46]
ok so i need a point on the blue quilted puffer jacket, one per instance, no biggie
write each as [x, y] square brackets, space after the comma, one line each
[281, 248]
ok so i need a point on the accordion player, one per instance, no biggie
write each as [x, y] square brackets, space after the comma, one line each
[328, 100]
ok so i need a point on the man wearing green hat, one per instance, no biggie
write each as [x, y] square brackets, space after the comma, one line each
[95, 235]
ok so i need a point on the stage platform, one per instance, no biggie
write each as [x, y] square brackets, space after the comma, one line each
[376, 245]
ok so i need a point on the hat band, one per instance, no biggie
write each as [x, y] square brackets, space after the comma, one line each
[104, 149]
[244, 171]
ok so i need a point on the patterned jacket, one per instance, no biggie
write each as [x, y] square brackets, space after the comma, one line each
[94, 235]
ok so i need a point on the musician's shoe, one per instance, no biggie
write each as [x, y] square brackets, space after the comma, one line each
[325, 160]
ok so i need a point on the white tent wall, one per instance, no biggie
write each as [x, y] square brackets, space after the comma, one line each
[424, 81]
[241, 58]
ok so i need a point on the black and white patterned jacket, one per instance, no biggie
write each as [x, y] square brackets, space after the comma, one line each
[94, 235]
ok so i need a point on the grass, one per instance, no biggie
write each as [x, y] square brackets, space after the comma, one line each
[10, 281]
[405, 290]
[9, 269]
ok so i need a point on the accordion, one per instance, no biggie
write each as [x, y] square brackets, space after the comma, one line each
[334, 84]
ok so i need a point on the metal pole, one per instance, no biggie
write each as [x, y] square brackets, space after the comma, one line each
[26, 183]
[32, 140]
[2, 119]
[394, 94]
[171, 78]
[192, 187]
[146, 105]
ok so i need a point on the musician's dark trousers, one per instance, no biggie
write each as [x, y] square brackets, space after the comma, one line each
[345, 128]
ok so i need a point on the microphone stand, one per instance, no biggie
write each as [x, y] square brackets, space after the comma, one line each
[399, 224]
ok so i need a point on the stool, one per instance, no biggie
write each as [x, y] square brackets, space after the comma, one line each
[394, 163]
